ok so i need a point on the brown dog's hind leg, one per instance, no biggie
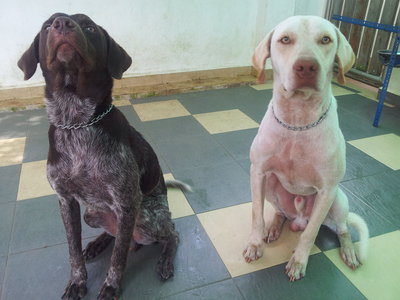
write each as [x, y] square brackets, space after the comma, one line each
[165, 265]
[95, 247]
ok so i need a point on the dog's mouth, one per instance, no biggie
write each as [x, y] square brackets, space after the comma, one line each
[68, 53]
[64, 52]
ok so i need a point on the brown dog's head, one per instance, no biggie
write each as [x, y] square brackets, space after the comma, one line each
[74, 43]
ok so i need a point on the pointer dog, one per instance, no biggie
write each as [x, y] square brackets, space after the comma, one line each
[95, 157]
[298, 154]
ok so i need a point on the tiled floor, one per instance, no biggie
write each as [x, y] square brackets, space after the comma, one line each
[203, 138]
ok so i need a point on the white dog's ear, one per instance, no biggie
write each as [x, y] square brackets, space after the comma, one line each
[260, 55]
[344, 56]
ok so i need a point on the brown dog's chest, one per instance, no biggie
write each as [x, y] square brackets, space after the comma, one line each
[86, 166]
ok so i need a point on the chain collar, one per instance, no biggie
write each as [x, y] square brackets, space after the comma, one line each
[84, 125]
[305, 127]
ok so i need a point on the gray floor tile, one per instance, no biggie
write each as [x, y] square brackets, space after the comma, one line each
[353, 127]
[181, 127]
[245, 164]
[12, 124]
[3, 260]
[44, 273]
[216, 291]
[377, 224]
[7, 211]
[322, 281]
[132, 117]
[38, 224]
[36, 147]
[196, 264]
[380, 192]
[216, 186]
[237, 143]
[217, 100]
[191, 152]
[359, 164]
[9, 181]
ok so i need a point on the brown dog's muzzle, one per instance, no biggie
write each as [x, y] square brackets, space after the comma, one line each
[67, 44]
[63, 25]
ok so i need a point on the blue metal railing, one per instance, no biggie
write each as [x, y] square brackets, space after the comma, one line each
[392, 61]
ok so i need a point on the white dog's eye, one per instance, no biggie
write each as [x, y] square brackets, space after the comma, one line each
[285, 40]
[326, 40]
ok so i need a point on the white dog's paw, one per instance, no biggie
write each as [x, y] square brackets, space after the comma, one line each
[349, 256]
[273, 230]
[347, 251]
[273, 233]
[296, 267]
[253, 250]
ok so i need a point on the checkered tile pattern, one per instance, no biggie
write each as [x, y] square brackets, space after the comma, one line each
[203, 138]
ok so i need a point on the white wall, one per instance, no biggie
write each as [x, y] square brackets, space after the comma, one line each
[162, 36]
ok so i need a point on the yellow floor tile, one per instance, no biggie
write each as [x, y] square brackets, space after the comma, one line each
[11, 151]
[160, 110]
[264, 86]
[121, 102]
[339, 91]
[384, 148]
[225, 121]
[33, 181]
[378, 277]
[177, 202]
[229, 229]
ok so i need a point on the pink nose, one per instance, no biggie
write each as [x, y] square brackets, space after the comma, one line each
[306, 68]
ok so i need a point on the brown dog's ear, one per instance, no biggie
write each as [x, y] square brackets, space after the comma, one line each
[29, 60]
[344, 56]
[260, 55]
[118, 61]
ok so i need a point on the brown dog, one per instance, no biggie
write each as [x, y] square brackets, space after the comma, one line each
[95, 157]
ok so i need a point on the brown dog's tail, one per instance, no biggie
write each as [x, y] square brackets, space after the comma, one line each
[178, 185]
[363, 233]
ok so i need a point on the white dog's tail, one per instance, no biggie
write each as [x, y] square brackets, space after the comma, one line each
[363, 233]
[179, 185]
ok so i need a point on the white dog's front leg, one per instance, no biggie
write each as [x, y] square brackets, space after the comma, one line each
[296, 267]
[254, 248]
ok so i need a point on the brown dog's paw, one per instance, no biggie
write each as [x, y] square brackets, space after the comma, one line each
[108, 292]
[165, 268]
[74, 291]
[94, 248]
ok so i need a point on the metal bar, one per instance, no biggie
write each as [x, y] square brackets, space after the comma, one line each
[375, 25]
[383, 92]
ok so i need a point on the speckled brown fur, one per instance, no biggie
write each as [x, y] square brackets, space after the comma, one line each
[108, 167]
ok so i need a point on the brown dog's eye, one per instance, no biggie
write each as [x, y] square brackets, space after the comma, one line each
[285, 40]
[326, 40]
[90, 28]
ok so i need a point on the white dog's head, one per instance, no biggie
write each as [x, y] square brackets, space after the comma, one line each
[303, 50]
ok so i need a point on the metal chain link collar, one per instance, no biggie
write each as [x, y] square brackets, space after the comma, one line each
[305, 127]
[84, 125]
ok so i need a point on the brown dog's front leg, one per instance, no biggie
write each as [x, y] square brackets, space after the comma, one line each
[70, 213]
[125, 223]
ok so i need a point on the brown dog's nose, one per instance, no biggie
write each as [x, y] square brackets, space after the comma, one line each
[306, 68]
[63, 24]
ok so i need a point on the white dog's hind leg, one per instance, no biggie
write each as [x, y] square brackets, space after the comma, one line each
[341, 216]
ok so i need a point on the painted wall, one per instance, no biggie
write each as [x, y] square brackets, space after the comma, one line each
[162, 36]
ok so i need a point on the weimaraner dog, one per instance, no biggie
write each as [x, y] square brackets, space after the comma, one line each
[298, 154]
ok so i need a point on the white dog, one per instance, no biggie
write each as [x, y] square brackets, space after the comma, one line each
[298, 155]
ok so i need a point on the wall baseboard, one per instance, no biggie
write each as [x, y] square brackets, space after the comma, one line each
[145, 86]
